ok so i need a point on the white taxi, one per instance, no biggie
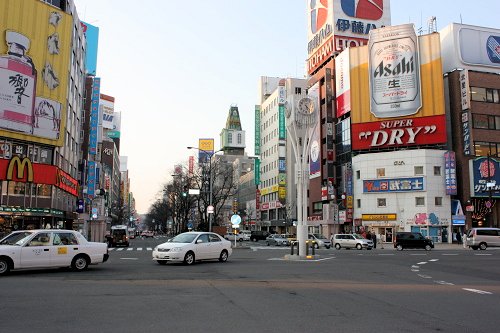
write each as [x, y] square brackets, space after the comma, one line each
[27, 249]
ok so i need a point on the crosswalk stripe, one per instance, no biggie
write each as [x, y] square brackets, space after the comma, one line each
[139, 249]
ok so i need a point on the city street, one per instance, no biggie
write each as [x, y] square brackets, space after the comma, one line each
[449, 289]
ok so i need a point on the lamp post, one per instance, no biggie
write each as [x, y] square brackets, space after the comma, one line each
[210, 154]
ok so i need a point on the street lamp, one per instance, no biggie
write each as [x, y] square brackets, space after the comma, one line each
[210, 185]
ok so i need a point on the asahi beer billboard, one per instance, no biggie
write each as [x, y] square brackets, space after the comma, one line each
[334, 25]
[394, 72]
[404, 103]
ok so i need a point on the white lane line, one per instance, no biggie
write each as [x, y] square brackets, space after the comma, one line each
[425, 276]
[111, 249]
[450, 254]
[422, 263]
[415, 266]
[139, 249]
[483, 254]
[433, 260]
[129, 258]
[477, 291]
[149, 249]
[415, 270]
[418, 254]
[130, 249]
[120, 249]
[386, 254]
[445, 283]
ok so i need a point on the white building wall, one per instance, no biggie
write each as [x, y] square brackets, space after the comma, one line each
[401, 164]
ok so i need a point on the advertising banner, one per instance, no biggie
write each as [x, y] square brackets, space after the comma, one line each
[380, 129]
[343, 83]
[334, 25]
[94, 116]
[107, 111]
[480, 46]
[34, 70]
[315, 151]
[92, 36]
[394, 185]
[257, 129]
[206, 150]
[464, 89]
[485, 177]
[257, 171]
[450, 173]
[91, 178]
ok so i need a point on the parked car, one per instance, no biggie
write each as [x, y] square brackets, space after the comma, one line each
[351, 241]
[27, 249]
[246, 234]
[482, 238]
[258, 235]
[320, 241]
[231, 237]
[277, 239]
[412, 240]
[190, 247]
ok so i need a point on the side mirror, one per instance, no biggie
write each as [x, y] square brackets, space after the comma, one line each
[199, 241]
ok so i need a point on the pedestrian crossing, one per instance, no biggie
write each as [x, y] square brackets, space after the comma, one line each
[118, 249]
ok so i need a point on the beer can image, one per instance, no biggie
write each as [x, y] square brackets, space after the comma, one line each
[394, 70]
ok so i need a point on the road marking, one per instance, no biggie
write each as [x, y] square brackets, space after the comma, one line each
[139, 249]
[130, 249]
[477, 291]
[425, 276]
[445, 283]
[433, 260]
[149, 249]
[450, 254]
[129, 258]
[483, 254]
[418, 254]
[422, 263]
[120, 249]
[386, 254]
[284, 259]
[415, 270]
[415, 266]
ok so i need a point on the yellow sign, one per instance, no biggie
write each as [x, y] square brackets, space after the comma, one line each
[349, 201]
[206, 144]
[62, 250]
[25, 163]
[378, 217]
[271, 189]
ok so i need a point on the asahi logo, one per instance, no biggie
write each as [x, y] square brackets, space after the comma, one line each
[405, 66]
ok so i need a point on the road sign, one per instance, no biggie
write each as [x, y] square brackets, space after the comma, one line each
[235, 219]
[210, 209]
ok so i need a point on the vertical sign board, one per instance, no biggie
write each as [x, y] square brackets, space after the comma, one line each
[464, 89]
[257, 171]
[257, 130]
[92, 36]
[91, 178]
[94, 115]
[450, 173]
[465, 101]
[315, 150]
[343, 83]
[206, 150]
[282, 137]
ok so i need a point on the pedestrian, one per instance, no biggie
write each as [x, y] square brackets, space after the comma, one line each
[459, 237]
[374, 239]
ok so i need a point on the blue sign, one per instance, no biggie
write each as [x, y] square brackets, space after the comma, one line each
[393, 185]
[92, 36]
[235, 219]
[485, 171]
[91, 177]
[94, 115]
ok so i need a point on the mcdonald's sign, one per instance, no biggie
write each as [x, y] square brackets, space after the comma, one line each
[20, 165]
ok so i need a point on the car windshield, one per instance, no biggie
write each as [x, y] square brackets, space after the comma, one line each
[183, 238]
[358, 236]
[17, 238]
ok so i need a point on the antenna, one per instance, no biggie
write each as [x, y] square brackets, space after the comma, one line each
[432, 24]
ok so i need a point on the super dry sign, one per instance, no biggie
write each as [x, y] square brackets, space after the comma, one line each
[25, 171]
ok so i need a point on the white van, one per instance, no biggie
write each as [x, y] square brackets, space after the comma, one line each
[482, 238]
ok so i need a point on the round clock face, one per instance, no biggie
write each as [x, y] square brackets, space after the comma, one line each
[306, 105]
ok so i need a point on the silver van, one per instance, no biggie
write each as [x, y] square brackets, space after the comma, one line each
[482, 238]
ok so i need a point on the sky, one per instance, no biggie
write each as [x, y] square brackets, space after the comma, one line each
[176, 67]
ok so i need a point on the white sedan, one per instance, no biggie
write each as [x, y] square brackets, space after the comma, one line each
[27, 249]
[189, 247]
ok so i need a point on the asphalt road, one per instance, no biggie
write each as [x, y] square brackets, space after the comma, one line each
[451, 290]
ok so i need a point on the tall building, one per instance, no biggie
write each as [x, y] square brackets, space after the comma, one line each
[471, 65]
[42, 50]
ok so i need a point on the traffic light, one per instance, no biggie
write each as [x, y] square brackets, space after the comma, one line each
[185, 191]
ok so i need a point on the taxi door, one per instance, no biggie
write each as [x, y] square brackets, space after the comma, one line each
[37, 252]
[65, 247]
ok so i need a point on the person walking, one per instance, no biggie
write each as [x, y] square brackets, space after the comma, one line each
[459, 237]
[374, 239]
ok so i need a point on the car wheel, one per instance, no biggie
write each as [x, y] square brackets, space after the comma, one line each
[337, 246]
[80, 263]
[428, 247]
[240, 240]
[223, 256]
[327, 247]
[474, 247]
[189, 258]
[483, 246]
[267, 243]
[359, 246]
[161, 262]
[399, 247]
[4, 266]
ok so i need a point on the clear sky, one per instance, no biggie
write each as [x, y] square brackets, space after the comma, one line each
[176, 67]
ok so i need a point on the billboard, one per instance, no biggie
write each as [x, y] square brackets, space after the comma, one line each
[92, 36]
[315, 150]
[205, 150]
[334, 25]
[407, 184]
[427, 124]
[34, 70]
[342, 83]
[450, 172]
[485, 177]
[94, 115]
[107, 110]
[257, 129]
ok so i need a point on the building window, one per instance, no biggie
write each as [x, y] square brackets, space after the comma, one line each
[419, 170]
[484, 121]
[438, 201]
[358, 203]
[381, 202]
[487, 95]
[380, 172]
[318, 207]
[437, 171]
[358, 174]
[419, 201]
[298, 90]
[239, 138]
[229, 137]
[485, 148]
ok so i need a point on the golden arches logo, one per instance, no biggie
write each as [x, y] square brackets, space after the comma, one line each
[21, 165]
